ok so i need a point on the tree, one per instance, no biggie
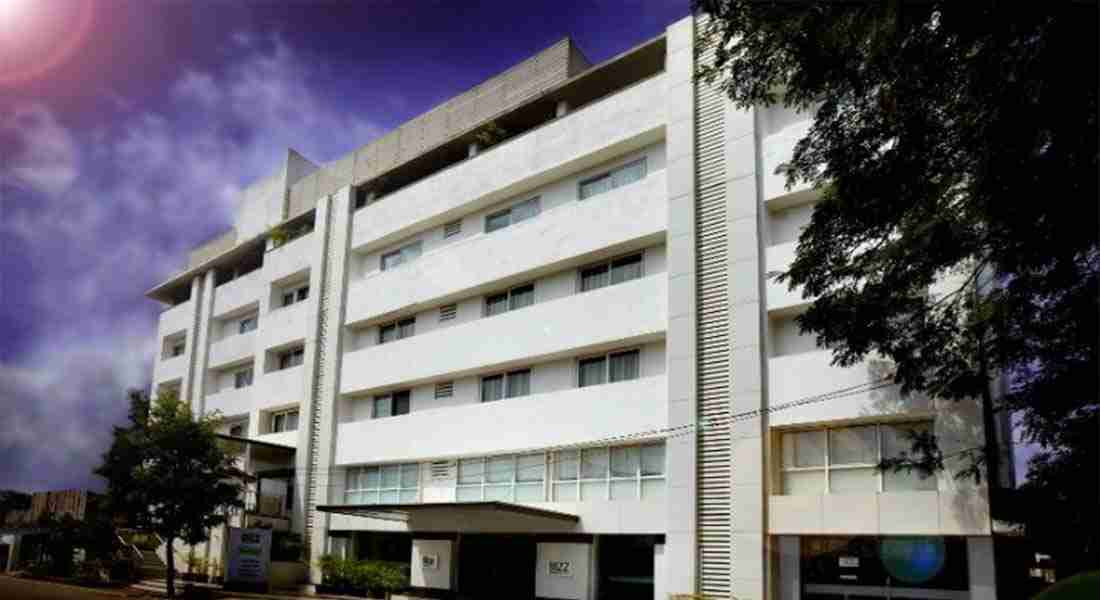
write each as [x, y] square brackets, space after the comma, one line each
[951, 141]
[168, 472]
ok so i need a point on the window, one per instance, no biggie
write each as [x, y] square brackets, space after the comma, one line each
[512, 215]
[291, 358]
[609, 473]
[401, 256]
[286, 420]
[619, 270]
[509, 478]
[242, 378]
[605, 182]
[291, 296]
[246, 324]
[390, 405]
[445, 389]
[611, 368]
[236, 430]
[177, 348]
[447, 313]
[452, 229]
[842, 460]
[383, 484]
[396, 331]
[515, 298]
[363, 197]
[506, 385]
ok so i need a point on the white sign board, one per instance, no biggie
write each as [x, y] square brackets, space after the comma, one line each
[249, 560]
[561, 568]
[849, 562]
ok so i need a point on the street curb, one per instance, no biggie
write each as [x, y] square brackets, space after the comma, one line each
[126, 592]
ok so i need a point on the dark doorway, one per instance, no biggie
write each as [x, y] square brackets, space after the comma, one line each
[626, 567]
[492, 567]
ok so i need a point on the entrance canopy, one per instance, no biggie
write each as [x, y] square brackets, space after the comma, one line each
[402, 512]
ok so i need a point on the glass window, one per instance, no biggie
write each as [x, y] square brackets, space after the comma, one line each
[242, 378]
[522, 296]
[492, 388]
[471, 470]
[804, 449]
[525, 210]
[497, 221]
[624, 461]
[396, 331]
[592, 371]
[594, 278]
[278, 421]
[853, 446]
[391, 260]
[624, 366]
[519, 383]
[897, 440]
[594, 186]
[500, 469]
[616, 473]
[565, 465]
[246, 325]
[496, 304]
[653, 460]
[406, 328]
[626, 268]
[383, 407]
[292, 421]
[401, 403]
[302, 293]
[388, 484]
[624, 175]
[387, 333]
[288, 298]
[594, 463]
[530, 468]
[401, 255]
[284, 421]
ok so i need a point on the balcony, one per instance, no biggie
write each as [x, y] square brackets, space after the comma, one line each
[269, 390]
[285, 324]
[783, 129]
[625, 121]
[778, 258]
[240, 292]
[172, 368]
[234, 348]
[505, 426]
[290, 258]
[176, 318]
[633, 215]
[627, 313]
[799, 376]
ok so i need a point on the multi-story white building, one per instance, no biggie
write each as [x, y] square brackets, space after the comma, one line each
[526, 343]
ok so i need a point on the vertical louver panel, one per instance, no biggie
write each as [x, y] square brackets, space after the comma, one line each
[713, 340]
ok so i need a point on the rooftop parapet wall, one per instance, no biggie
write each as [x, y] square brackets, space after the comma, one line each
[212, 248]
[455, 117]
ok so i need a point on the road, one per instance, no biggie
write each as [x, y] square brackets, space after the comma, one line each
[25, 589]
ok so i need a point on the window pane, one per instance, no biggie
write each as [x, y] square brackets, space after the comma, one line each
[653, 459]
[391, 260]
[353, 498]
[408, 496]
[896, 439]
[410, 475]
[406, 328]
[391, 476]
[593, 278]
[592, 371]
[370, 497]
[387, 333]
[374, 479]
[292, 421]
[624, 366]
[624, 490]
[653, 489]
[471, 470]
[853, 481]
[383, 407]
[626, 268]
[853, 445]
[492, 388]
[629, 173]
[496, 304]
[593, 490]
[469, 493]
[522, 296]
[804, 482]
[389, 497]
[501, 469]
[498, 221]
[401, 403]
[519, 383]
[804, 449]
[565, 465]
[565, 492]
[529, 492]
[531, 468]
[277, 423]
[525, 210]
[595, 186]
[288, 299]
[499, 493]
[411, 251]
[303, 293]
[594, 463]
[624, 461]
[907, 482]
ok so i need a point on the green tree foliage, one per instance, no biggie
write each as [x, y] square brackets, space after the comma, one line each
[169, 474]
[951, 142]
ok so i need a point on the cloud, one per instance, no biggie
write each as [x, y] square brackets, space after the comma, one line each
[102, 214]
[43, 157]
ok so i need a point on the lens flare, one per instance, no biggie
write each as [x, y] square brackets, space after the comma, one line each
[36, 37]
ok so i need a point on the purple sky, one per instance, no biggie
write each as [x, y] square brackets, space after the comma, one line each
[127, 128]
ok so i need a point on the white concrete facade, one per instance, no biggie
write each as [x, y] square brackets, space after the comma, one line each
[388, 365]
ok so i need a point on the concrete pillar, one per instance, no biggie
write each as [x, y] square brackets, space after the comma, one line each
[983, 572]
[202, 345]
[191, 340]
[562, 109]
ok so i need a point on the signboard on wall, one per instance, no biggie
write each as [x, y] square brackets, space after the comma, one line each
[248, 564]
[560, 568]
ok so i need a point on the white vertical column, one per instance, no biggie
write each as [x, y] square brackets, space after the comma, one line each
[983, 572]
[202, 346]
[680, 539]
[190, 341]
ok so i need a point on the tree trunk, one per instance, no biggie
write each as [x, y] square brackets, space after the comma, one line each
[170, 568]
